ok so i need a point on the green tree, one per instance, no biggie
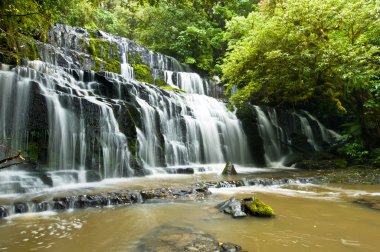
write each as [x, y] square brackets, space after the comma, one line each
[291, 53]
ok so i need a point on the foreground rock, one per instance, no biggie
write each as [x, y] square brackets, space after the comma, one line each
[170, 238]
[247, 206]
[371, 203]
[122, 198]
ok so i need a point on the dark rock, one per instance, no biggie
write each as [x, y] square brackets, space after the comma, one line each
[233, 207]
[3, 212]
[321, 164]
[93, 176]
[229, 247]
[185, 171]
[371, 203]
[41, 206]
[249, 120]
[21, 208]
[229, 169]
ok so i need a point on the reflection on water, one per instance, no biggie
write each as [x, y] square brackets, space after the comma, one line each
[309, 218]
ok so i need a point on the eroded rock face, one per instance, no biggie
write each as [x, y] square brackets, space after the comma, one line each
[170, 238]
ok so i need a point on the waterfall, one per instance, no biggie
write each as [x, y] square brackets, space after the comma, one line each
[126, 70]
[272, 135]
[14, 97]
[277, 134]
[83, 120]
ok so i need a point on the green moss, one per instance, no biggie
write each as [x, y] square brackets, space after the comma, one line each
[105, 55]
[143, 73]
[158, 82]
[130, 58]
[32, 151]
[257, 208]
[112, 66]
[10, 58]
[229, 169]
[138, 59]
[28, 49]
[170, 88]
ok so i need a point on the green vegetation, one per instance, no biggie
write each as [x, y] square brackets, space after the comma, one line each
[143, 73]
[320, 55]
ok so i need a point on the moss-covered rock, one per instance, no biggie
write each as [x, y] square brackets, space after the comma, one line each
[256, 207]
[229, 169]
[170, 88]
[158, 82]
[105, 55]
[143, 73]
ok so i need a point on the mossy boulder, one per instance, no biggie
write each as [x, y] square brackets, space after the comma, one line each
[254, 206]
[229, 169]
[248, 206]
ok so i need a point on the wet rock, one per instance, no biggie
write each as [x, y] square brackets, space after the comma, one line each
[170, 238]
[21, 208]
[254, 206]
[321, 164]
[229, 247]
[225, 183]
[3, 212]
[371, 203]
[93, 176]
[233, 207]
[229, 169]
[41, 206]
[185, 171]
[248, 206]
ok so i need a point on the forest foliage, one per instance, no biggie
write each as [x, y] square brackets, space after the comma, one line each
[320, 55]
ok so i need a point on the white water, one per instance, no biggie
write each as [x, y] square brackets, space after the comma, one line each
[276, 137]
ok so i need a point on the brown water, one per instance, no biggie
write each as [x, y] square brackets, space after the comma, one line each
[308, 218]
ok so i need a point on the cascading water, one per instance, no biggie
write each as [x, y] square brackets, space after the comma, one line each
[277, 134]
[84, 120]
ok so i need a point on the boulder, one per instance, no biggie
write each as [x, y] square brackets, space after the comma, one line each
[171, 238]
[21, 208]
[254, 206]
[3, 212]
[247, 206]
[233, 207]
[229, 169]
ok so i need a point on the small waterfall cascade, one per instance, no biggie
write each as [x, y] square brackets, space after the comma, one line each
[278, 129]
[195, 129]
[78, 123]
[273, 136]
[126, 70]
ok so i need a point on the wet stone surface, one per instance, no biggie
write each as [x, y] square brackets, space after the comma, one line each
[171, 238]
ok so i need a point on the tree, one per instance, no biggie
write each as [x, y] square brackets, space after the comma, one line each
[292, 53]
